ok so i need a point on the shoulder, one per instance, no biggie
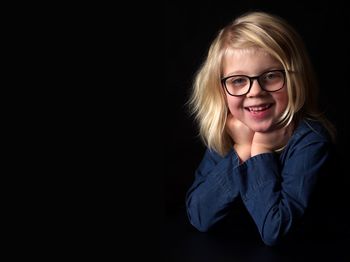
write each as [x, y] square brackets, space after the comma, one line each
[309, 137]
[311, 130]
[215, 156]
[210, 159]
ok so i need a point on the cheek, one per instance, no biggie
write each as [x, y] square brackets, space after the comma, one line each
[234, 104]
[282, 101]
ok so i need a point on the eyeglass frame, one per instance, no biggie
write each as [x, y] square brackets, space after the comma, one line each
[251, 80]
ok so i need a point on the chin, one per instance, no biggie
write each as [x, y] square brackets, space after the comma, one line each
[262, 130]
[261, 127]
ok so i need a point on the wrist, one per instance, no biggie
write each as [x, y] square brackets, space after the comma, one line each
[243, 151]
[257, 150]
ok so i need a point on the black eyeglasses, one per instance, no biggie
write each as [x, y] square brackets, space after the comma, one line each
[239, 85]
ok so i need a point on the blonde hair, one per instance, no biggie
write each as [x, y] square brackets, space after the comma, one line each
[273, 35]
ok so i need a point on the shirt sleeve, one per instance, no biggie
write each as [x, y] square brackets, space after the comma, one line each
[212, 191]
[277, 197]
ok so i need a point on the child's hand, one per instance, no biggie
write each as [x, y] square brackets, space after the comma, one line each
[241, 135]
[270, 141]
[239, 132]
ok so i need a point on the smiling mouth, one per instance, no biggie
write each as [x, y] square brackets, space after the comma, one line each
[257, 109]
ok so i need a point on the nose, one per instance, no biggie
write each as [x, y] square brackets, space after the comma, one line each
[255, 89]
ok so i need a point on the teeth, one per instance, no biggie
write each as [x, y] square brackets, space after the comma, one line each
[258, 108]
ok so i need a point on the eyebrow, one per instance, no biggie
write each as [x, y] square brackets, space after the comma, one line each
[239, 72]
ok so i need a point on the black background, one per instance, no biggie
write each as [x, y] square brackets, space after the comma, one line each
[189, 29]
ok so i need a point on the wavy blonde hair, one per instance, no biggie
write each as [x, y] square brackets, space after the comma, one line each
[273, 35]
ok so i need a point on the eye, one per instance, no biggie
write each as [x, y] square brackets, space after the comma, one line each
[238, 81]
[272, 76]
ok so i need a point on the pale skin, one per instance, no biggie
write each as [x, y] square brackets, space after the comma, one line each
[251, 121]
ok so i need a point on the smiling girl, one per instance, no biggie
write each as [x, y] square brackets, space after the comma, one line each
[255, 100]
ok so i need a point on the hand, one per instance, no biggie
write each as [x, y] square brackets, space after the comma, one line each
[238, 131]
[270, 141]
[241, 135]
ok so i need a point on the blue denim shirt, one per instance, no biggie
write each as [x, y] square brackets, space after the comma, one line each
[275, 188]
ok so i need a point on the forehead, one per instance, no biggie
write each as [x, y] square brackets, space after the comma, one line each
[248, 61]
[247, 50]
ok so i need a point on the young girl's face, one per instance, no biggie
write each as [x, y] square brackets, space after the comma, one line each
[259, 110]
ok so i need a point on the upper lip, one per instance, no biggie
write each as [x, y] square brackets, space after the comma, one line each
[258, 105]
